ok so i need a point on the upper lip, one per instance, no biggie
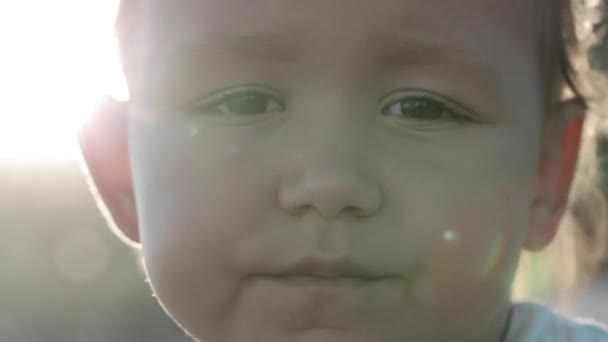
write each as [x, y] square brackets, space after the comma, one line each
[342, 267]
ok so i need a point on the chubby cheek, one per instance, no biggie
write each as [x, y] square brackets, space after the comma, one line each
[199, 204]
[472, 239]
[470, 263]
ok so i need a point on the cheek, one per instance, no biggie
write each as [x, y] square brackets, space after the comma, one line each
[465, 210]
[200, 205]
[472, 260]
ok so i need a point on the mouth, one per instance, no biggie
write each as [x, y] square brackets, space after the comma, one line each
[323, 272]
[306, 281]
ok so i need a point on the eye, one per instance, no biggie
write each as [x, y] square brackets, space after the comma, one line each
[425, 109]
[246, 100]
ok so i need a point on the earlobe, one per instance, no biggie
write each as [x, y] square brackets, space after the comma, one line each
[558, 160]
[103, 142]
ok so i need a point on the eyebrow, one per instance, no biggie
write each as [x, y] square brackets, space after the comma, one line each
[398, 52]
[389, 50]
[261, 46]
[408, 51]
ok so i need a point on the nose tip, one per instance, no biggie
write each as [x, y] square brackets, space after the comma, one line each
[330, 193]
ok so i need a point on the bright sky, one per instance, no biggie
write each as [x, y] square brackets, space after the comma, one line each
[56, 59]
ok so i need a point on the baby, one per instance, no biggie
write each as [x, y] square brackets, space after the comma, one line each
[342, 171]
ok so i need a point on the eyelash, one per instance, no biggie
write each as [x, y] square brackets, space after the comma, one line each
[211, 103]
[455, 112]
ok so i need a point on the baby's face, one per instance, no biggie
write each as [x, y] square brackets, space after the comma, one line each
[345, 171]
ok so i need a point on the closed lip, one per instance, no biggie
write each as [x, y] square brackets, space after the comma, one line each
[329, 268]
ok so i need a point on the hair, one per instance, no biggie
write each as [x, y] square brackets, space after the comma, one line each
[565, 41]
[588, 207]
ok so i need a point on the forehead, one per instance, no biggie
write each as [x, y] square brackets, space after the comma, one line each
[213, 13]
[176, 22]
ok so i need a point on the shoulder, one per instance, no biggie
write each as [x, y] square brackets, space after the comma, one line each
[533, 322]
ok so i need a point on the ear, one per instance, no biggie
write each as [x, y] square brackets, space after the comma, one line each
[559, 154]
[103, 142]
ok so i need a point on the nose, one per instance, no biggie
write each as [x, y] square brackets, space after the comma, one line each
[331, 189]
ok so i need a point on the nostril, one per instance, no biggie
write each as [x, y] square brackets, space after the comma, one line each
[356, 211]
[330, 192]
[299, 210]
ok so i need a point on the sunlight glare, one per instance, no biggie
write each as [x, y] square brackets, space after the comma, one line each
[58, 59]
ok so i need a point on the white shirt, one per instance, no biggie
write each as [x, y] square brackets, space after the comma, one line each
[533, 322]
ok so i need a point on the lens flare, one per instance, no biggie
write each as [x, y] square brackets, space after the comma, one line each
[495, 255]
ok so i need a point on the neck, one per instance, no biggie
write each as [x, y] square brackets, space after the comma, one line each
[497, 328]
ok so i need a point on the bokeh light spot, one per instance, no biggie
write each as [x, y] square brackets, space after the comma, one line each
[451, 236]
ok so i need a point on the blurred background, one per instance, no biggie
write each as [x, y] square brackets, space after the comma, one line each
[63, 275]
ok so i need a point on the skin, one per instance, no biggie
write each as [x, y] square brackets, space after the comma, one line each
[334, 169]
